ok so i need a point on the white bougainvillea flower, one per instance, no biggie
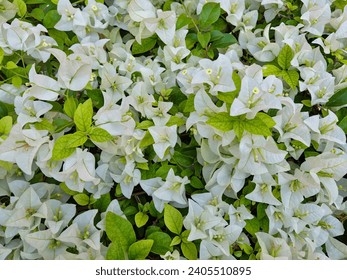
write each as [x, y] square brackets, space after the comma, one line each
[42, 86]
[259, 46]
[164, 25]
[209, 251]
[253, 98]
[141, 9]
[94, 50]
[82, 231]
[290, 123]
[199, 220]
[173, 189]
[78, 170]
[164, 137]
[272, 8]
[257, 153]
[21, 147]
[326, 128]
[30, 111]
[128, 178]
[140, 99]
[217, 74]
[263, 190]
[56, 214]
[224, 237]
[7, 11]
[74, 72]
[150, 186]
[238, 215]
[67, 12]
[329, 44]
[46, 244]
[8, 93]
[294, 188]
[114, 118]
[213, 198]
[235, 10]
[336, 249]
[273, 248]
[316, 17]
[23, 215]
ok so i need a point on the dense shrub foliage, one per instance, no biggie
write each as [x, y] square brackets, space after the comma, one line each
[194, 129]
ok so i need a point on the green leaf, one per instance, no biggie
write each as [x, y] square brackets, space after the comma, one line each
[189, 105]
[183, 20]
[146, 45]
[343, 124]
[183, 159]
[173, 219]
[98, 134]
[37, 14]
[174, 120]
[120, 230]
[196, 183]
[22, 7]
[141, 219]
[224, 42]
[164, 170]
[103, 202]
[285, 57]
[239, 128]
[209, 14]
[338, 99]
[70, 106]
[3, 110]
[191, 39]
[270, 69]
[265, 118]
[83, 115]
[252, 226]
[44, 124]
[66, 144]
[142, 165]
[144, 124]
[257, 126]
[6, 125]
[81, 199]
[51, 18]
[116, 251]
[291, 77]
[216, 35]
[176, 240]
[161, 243]
[66, 190]
[189, 250]
[140, 249]
[222, 121]
[11, 65]
[147, 140]
[17, 81]
[204, 38]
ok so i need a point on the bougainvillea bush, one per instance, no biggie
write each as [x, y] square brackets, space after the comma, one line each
[138, 129]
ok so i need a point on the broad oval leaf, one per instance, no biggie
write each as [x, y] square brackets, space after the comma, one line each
[209, 14]
[338, 99]
[173, 219]
[161, 243]
[119, 230]
[83, 115]
[140, 249]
